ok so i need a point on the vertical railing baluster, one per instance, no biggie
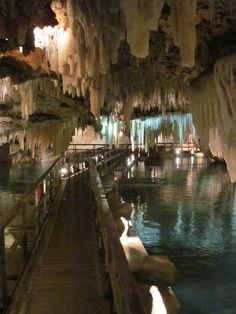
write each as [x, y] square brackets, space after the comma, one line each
[35, 212]
[44, 195]
[25, 248]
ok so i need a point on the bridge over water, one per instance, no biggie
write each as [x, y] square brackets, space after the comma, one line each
[55, 255]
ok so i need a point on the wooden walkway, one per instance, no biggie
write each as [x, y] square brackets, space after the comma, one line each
[69, 279]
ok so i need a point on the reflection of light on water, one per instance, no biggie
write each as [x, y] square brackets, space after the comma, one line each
[128, 161]
[177, 162]
[190, 179]
[177, 151]
[130, 173]
[197, 194]
[155, 173]
[190, 216]
[179, 221]
[192, 160]
[147, 233]
[192, 223]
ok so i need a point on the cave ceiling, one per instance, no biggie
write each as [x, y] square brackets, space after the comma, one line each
[120, 54]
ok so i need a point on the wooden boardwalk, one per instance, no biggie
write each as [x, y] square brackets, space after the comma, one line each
[69, 279]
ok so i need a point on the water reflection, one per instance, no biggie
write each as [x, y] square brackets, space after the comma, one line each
[16, 180]
[187, 209]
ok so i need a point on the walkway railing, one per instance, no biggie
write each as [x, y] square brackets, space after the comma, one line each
[170, 146]
[19, 229]
[74, 149]
[124, 289]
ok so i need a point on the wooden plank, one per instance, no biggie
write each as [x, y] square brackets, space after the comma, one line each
[68, 277]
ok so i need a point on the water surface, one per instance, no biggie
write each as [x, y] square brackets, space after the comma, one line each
[186, 208]
[16, 180]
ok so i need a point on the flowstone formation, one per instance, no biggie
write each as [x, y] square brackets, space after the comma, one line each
[213, 104]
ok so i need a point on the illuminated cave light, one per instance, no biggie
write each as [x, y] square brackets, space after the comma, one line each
[112, 129]
[56, 43]
[42, 36]
[145, 131]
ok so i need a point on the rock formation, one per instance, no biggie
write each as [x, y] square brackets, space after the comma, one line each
[116, 56]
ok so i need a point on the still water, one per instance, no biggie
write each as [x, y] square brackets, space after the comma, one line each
[186, 208]
[16, 180]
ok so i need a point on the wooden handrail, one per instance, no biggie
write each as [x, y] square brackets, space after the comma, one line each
[90, 144]
[126, 297]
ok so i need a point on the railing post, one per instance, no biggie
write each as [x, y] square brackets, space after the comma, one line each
[44, 194]
[25, 235]
[105, 163]
[36, 212]
[3, 276]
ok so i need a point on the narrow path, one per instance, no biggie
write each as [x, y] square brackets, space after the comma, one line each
[69, 280]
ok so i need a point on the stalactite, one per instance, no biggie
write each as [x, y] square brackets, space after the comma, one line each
[6, 88]
[78, 47]
[146, 131]
[141, 17]
[111, 129]
[57, 135]
[183, 29]
[28, 95]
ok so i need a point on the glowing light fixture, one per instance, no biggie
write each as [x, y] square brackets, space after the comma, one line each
[64, 171]
[42, 36]
[46, 35]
